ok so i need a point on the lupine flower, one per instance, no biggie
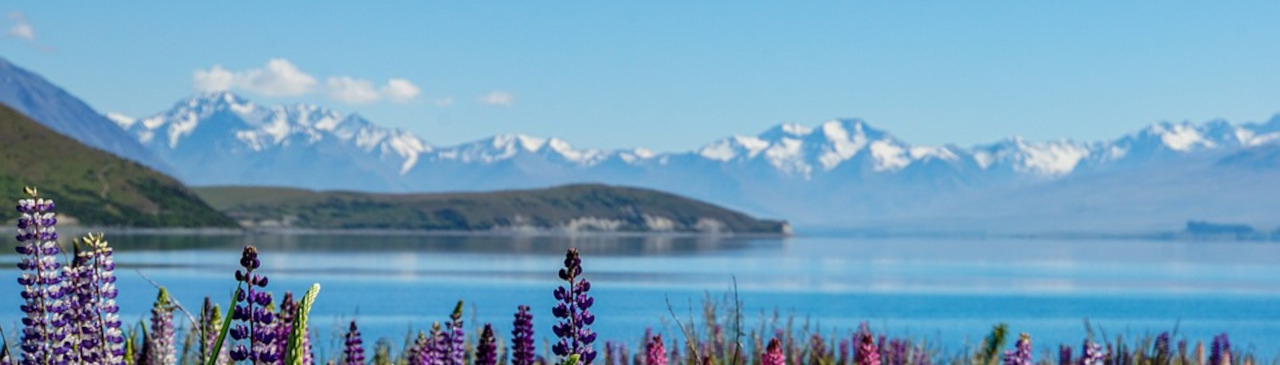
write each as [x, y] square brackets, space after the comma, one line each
[254, 327]
[573, 309]
[867, 353]
[1220, 350]
[1091, 353]
[487, 349]
[353, 353]
[1021, 355]
[773, 354]
[456, 338]
[817, 349]
[43, 332]
[210, 326]
[921, 357]
[844, 352]
[1161, 349]
[1064, 355]
[283, 325]
[96, 335]
[655, 353]
[522, 337]
[161, 349]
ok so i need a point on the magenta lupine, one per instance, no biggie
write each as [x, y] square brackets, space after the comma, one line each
[867, 353]
[487, 349]
[655, 353]
[161, 349]
[773, 354]
[43, 333]
[573, 310]
[1220, 350]
[1022, 354]
[353, 352]
[253, 330]
[522, 337]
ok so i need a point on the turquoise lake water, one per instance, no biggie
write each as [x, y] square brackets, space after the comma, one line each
[947, 291]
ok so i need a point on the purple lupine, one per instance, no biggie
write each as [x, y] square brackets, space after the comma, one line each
[867, 353]
[455, 338]
[573, 310]
[487, 349]
[1091, 353]
[1220, 350]
[96, 331]
[1022, 354]
[353, 352]
[43, 333]
[896, 353]
[254, 327]
[921, 357]
[161, 349]
[773, 354]
[817, 349]
[1161, 351]
[844, 353]
[283, 325]
[522, 337]
[654, 352]
[1064, 355]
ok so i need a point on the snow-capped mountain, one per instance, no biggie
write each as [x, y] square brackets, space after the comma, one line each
[831, 173]
[220, 138]
[57, 109]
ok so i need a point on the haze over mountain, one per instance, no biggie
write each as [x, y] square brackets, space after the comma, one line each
[41, 100]
[843, 173]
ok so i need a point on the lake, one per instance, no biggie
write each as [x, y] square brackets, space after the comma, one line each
[948, 291]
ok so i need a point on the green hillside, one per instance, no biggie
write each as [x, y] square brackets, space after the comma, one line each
[565, 208]
[93, 187]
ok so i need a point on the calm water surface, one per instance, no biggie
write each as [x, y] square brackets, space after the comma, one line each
[948, 291]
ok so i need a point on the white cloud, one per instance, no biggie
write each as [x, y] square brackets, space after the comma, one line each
[400, 90]
[21, 29]
[498, 98]
[214, 79]
[278, 77]
[446, 101]
[352, 90]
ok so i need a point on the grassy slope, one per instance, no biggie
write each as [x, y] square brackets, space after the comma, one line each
[93, 186]
[543, 208]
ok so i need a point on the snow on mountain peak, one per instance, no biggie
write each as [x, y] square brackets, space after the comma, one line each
[1181, 137]
[124, 121]
[1044, 159]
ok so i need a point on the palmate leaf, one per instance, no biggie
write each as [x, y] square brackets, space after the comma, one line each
[222, 334]
[294, 357]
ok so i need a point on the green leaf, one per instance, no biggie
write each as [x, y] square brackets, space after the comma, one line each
[571, 360]
[294, 357]
[222, 333]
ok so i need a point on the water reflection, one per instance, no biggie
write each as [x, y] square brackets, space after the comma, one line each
[598, 245]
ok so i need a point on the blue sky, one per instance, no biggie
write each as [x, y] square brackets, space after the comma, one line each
[671, 75]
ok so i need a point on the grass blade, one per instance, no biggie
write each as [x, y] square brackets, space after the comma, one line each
[222, 333]
[294, 357]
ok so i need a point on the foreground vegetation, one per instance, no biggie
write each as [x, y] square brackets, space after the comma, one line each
[71, 318]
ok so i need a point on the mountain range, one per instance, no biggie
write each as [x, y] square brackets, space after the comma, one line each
[840, 173]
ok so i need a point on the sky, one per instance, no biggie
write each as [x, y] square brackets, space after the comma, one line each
[674, 75]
